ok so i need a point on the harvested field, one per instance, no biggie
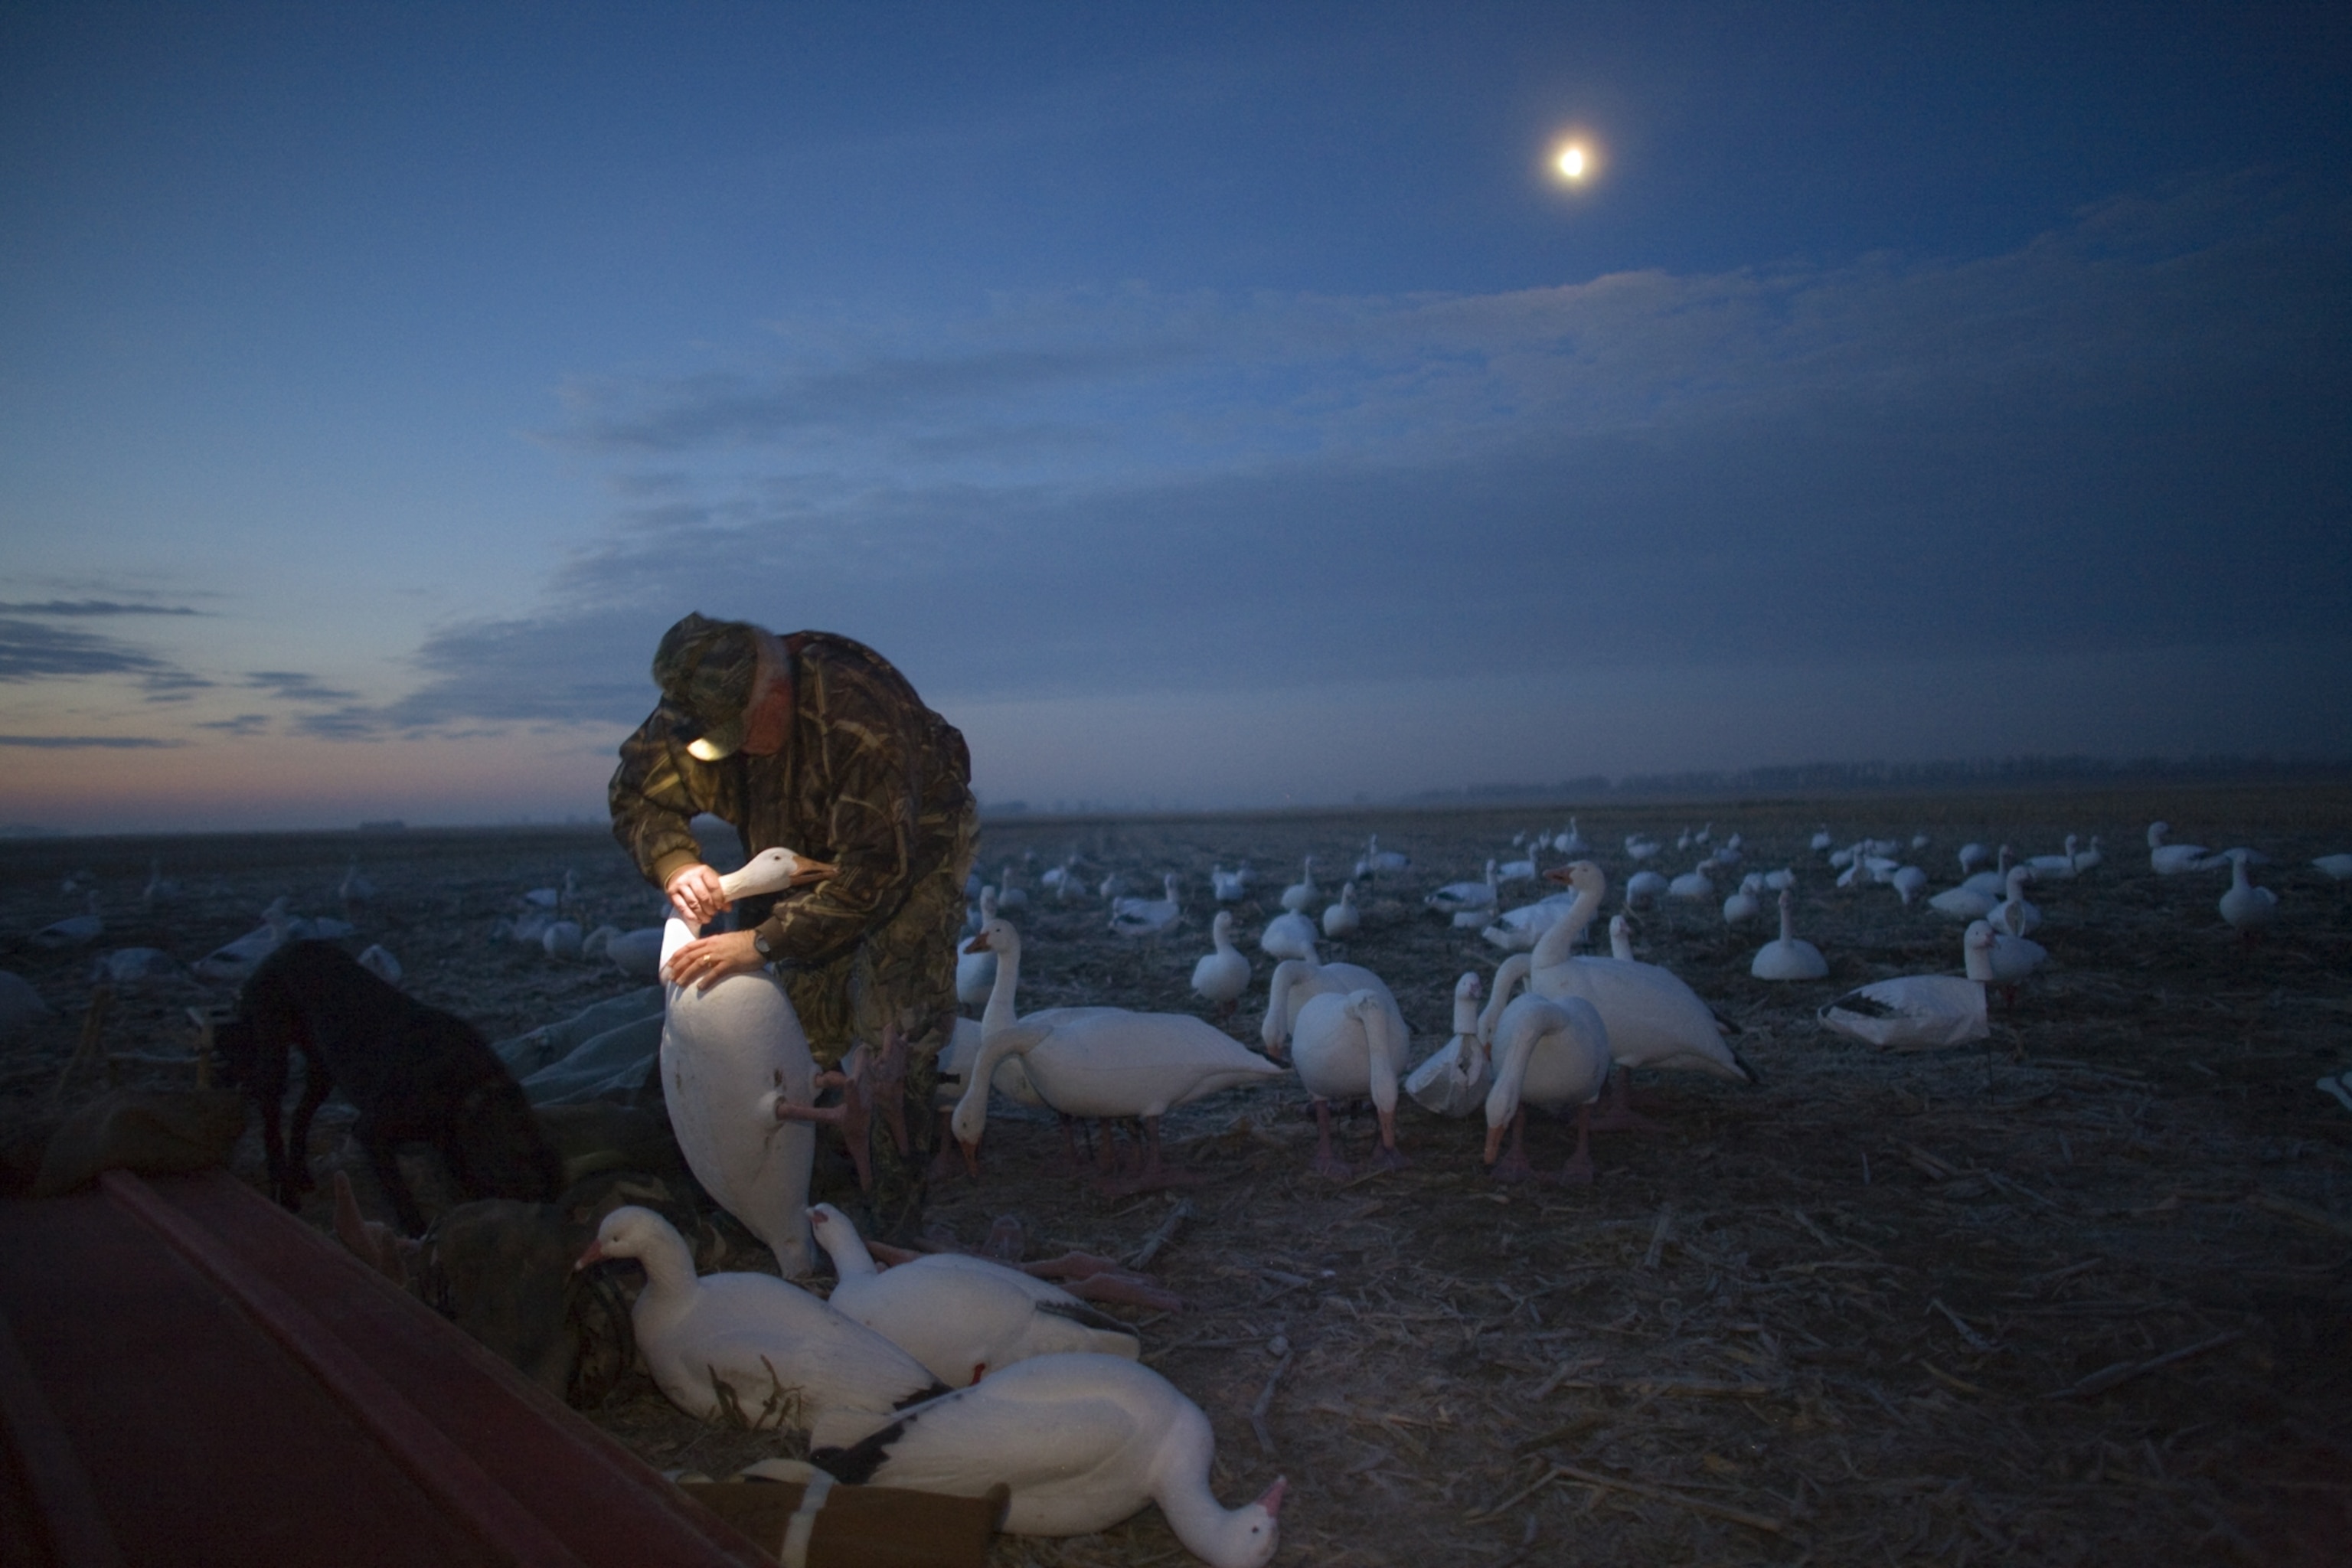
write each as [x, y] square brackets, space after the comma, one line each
[2084, 1295]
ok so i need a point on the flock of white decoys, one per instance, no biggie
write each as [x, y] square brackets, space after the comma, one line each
[953, 1373]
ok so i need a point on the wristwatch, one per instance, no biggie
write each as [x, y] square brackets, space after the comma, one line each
[759, 941]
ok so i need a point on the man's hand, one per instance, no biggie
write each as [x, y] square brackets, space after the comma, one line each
[697, 896]
[705, 961]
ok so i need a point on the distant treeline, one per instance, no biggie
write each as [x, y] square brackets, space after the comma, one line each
[1832, 778]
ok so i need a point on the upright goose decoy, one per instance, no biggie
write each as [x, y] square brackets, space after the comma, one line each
[976, 971]
[1654, 1018]
[1296, 979]
[733, 1058]
[750, 1345]
[2015, 915]
[1789, 956]
[1694, 883]
[1348, 1048]
[1570, 840]
[1973, 854]
[1343, 920]
[1549, 1053]
[1083, 1441]
[1621, 938]
[1746, 901]
[963, 1317]
[1822, 843]
[1378, 861]
[1452, 1081]
[1994, 881]
[2245, 906]
[1228, 886]
[2091, 858]
[1995, 955]
[1099, 1062]
[1909, 882]
[1288, 935]
[1300, 896]
[1223, 974]
[2058, 866]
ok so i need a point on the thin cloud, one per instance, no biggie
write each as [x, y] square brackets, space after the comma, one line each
[31, 651]
[101, 742]
[94, 607]
[294, 685]
[243, 724]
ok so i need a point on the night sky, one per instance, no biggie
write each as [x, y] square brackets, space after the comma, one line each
[1204, 406]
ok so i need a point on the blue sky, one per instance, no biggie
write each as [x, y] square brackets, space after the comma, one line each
[1222, 405]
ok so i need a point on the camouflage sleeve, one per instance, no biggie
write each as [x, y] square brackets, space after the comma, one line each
[873, 758]
[652, 802]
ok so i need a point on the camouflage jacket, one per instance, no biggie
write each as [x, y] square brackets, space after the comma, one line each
[868, 779]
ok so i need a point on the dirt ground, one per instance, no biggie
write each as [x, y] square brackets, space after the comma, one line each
[2084, 1295]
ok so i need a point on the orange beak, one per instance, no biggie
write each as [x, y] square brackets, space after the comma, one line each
[812, 871]
[979, 944]
[595, 1254]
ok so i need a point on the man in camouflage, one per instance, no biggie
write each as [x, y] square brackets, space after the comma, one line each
[814, 743]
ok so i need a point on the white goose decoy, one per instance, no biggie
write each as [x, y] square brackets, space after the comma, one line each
[2245, 906]
[1998, 956]
[1223, 974]
[378, 960]
[1148, 917]
[732, 1053]
[2014, 915]
[1694, 883]
[1643, 890]
[1549, 1053]
[1964, 903]
[1789, 956]
[1915, 1012]
[1973, 854]
[1621, 938]
[1296, 979]
[963, 1317]
[1099, 1062]
[1378, 861]
[1786, 876]
[1459, 897]
[636, 954]
[1516, 930]
[1570, 840]
[160, 888]
[1521, 870]
[976, 971]
[1300, 896]
[1011, 898]
[1995, 881]
[1909, 882]
[2091, 858]
[74, 930]
[1343, 920]
[1083, 1441]
[233, 961]
[1453, 1080]
[785, 1359]
[2335, 868]
[1229, 886]
[355, 888]
[1639, 848]
[1348, 1048]
[1288, 935]
[1821, 842]
[1654, 1018]
[1746, 901]
[2172, 859]
[2060, 867]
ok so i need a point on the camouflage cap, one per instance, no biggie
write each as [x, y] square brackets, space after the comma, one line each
[705, 670]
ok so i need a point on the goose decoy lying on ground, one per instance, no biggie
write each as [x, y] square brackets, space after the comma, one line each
[1083, 1441]
[752, 1347]
[1517, 931]
[1453, 1080]
[1460, 898]
[1134, 918]
[1643, 888]
[963, 1317]
[1099, 1062]
[74, 930]
[1347, 1048]
[1223, 974]
[732, 1056]
[1694, 883]
[1343, 920]
[1746, 901]
[1639, 848]
[2171, 859]
[2245, 906]
[2055, 868]
[2335, 868]
[1570, 840]
[1993, 881]
[1913, 1012]
[1549, 1053]
[1789, 956]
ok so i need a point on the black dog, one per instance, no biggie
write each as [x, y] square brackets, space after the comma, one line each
[416, 1073]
